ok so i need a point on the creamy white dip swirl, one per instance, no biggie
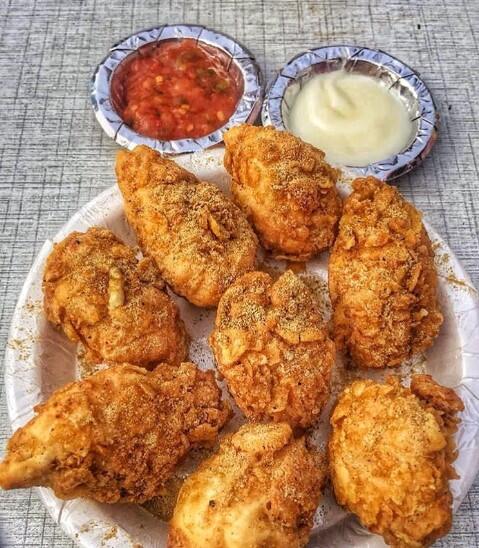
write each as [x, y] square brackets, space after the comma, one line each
[353, 118]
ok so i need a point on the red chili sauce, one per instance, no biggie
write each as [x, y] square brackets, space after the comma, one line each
[176, 89]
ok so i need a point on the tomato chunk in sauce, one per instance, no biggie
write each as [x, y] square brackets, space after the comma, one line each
[176, 89]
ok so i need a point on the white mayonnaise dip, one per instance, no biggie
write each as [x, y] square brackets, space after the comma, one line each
[352, 117]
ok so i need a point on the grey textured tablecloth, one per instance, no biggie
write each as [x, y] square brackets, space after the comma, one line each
[54, 157]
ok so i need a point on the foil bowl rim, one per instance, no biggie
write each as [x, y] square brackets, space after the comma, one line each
[428, 117]
[247, 109]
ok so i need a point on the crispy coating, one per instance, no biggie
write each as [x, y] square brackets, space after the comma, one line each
[273, 349]
[199, 239]
[391, 452]
[260, 489]
[286, 188]
[98, 293]
[117, 435]
[382, 278]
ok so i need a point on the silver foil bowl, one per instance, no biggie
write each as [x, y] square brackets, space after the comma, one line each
[398, 77]
[247, 109]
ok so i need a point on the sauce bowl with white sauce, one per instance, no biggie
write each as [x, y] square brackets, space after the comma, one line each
[370, 113]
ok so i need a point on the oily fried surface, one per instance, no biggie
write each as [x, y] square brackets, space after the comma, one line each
[382, 278]
[117, 435]
[200, 240]
[273, 349]
[391, 454]
[98, 293]
[260, 489]
[285, 187]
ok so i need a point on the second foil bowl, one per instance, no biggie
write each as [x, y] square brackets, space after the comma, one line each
[407, 84]
[247, 109]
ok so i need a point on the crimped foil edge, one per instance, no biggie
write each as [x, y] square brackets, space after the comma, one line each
[426, 115]
[247, 110]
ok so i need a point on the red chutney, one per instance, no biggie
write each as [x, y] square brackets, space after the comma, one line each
[176, 89]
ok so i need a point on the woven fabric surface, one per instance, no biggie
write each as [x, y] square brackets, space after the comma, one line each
[54, 157]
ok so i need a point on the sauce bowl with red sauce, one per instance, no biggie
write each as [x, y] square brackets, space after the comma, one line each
[176, 88]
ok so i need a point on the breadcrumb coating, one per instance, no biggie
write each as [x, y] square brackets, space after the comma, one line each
[273, 349]
[382, 278]
[286, 189]
[261, 488]
[117, 435]
[199, 239]
[391, 452]
[99, 294]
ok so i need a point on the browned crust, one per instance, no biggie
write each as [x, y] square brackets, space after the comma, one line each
[286, 188]
[382, 278]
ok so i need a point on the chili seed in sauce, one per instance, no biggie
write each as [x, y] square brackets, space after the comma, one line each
[176, 89]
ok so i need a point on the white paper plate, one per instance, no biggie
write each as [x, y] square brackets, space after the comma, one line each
[39, 360]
